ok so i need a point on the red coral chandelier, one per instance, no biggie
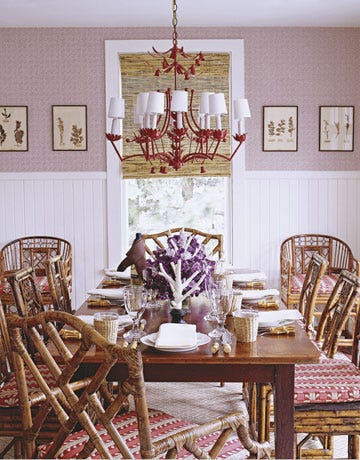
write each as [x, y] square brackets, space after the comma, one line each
[167, 114]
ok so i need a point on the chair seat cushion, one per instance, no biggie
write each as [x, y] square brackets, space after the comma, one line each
[330, 381]
[9, 393]
[327, 283]
[42, 282]
[161, 424]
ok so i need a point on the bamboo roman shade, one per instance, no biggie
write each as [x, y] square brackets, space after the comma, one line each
[137, 75]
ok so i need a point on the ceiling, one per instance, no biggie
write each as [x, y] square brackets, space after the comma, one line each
[200, 13]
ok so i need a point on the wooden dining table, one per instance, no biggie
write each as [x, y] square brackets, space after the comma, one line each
[270, 359]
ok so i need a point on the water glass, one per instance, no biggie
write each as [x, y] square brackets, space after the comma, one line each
[222, 307]
[135, 299]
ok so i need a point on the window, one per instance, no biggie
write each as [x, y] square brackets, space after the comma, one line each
[155, 205]
[215, 207]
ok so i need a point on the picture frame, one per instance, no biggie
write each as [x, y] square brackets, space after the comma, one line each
[14, 128]
[69, 127]
[336, 128]
[280, 128]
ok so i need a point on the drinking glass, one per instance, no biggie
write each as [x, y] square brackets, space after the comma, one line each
[212, 288]
[210, 292]
[222, 305]
[135, 299]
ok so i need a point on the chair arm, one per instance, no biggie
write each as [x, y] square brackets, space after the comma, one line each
[356, 267]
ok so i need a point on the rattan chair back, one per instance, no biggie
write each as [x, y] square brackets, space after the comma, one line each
[296, 253]
[28, 300]
[33, 251]
[213, 241]
[94, 407]
[343, 300]
[58, 284]
[309, 291]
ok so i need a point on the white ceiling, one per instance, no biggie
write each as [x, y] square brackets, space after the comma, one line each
[201, 13]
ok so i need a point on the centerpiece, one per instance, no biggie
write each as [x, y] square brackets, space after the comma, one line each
[181, 270]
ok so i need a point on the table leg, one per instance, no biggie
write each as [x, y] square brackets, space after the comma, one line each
[284, 411]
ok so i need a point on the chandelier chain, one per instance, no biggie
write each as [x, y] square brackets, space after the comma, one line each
[174, 21]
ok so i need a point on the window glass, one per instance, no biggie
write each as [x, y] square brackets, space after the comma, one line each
[155, 205]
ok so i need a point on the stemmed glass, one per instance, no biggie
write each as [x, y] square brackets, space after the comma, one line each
[152, 302]
[210, 292]
[135, 299]
[222, 305]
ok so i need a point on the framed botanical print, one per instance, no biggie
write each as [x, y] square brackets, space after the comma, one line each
[280, 128]
[13, 128]
[336, 128]
[69, 127]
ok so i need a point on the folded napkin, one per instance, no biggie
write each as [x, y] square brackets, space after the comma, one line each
[107, 293]
[254, 294]
[172, 335]
[278, 317]
[247, 277]
[122, 320]
[113, 273]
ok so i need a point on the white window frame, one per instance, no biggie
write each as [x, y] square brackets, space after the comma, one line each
[117, 212]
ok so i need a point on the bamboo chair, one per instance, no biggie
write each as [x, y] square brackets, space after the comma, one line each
[295, 255]
[327, 394]
[58, 284]
[32, 251]
[214, 242]
[10, 411]
[128, 434]
[257, 396]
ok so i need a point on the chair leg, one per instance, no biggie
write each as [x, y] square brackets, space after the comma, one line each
[353, 446]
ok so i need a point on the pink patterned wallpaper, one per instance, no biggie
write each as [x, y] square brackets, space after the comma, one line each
[306, 67]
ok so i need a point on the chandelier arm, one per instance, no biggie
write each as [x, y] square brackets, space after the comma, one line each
[229, 158]
[192, 114]
[192, 129]
[166, 123]
[114, 146]
[194, 156]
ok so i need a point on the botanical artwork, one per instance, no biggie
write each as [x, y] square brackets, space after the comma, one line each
[69, 127]
[336, 128]
[280, 128]
[13, 128]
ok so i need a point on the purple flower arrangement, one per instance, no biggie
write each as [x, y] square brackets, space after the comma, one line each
[186, 258]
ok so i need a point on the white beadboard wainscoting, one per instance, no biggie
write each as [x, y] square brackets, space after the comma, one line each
[67, 205]
[274, 205]
[283, 203]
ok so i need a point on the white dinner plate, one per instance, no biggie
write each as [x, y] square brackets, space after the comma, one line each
[111, 294]
[150, 339]
[278, 318]
[268, 325]
[112, 273]
[252, 295]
